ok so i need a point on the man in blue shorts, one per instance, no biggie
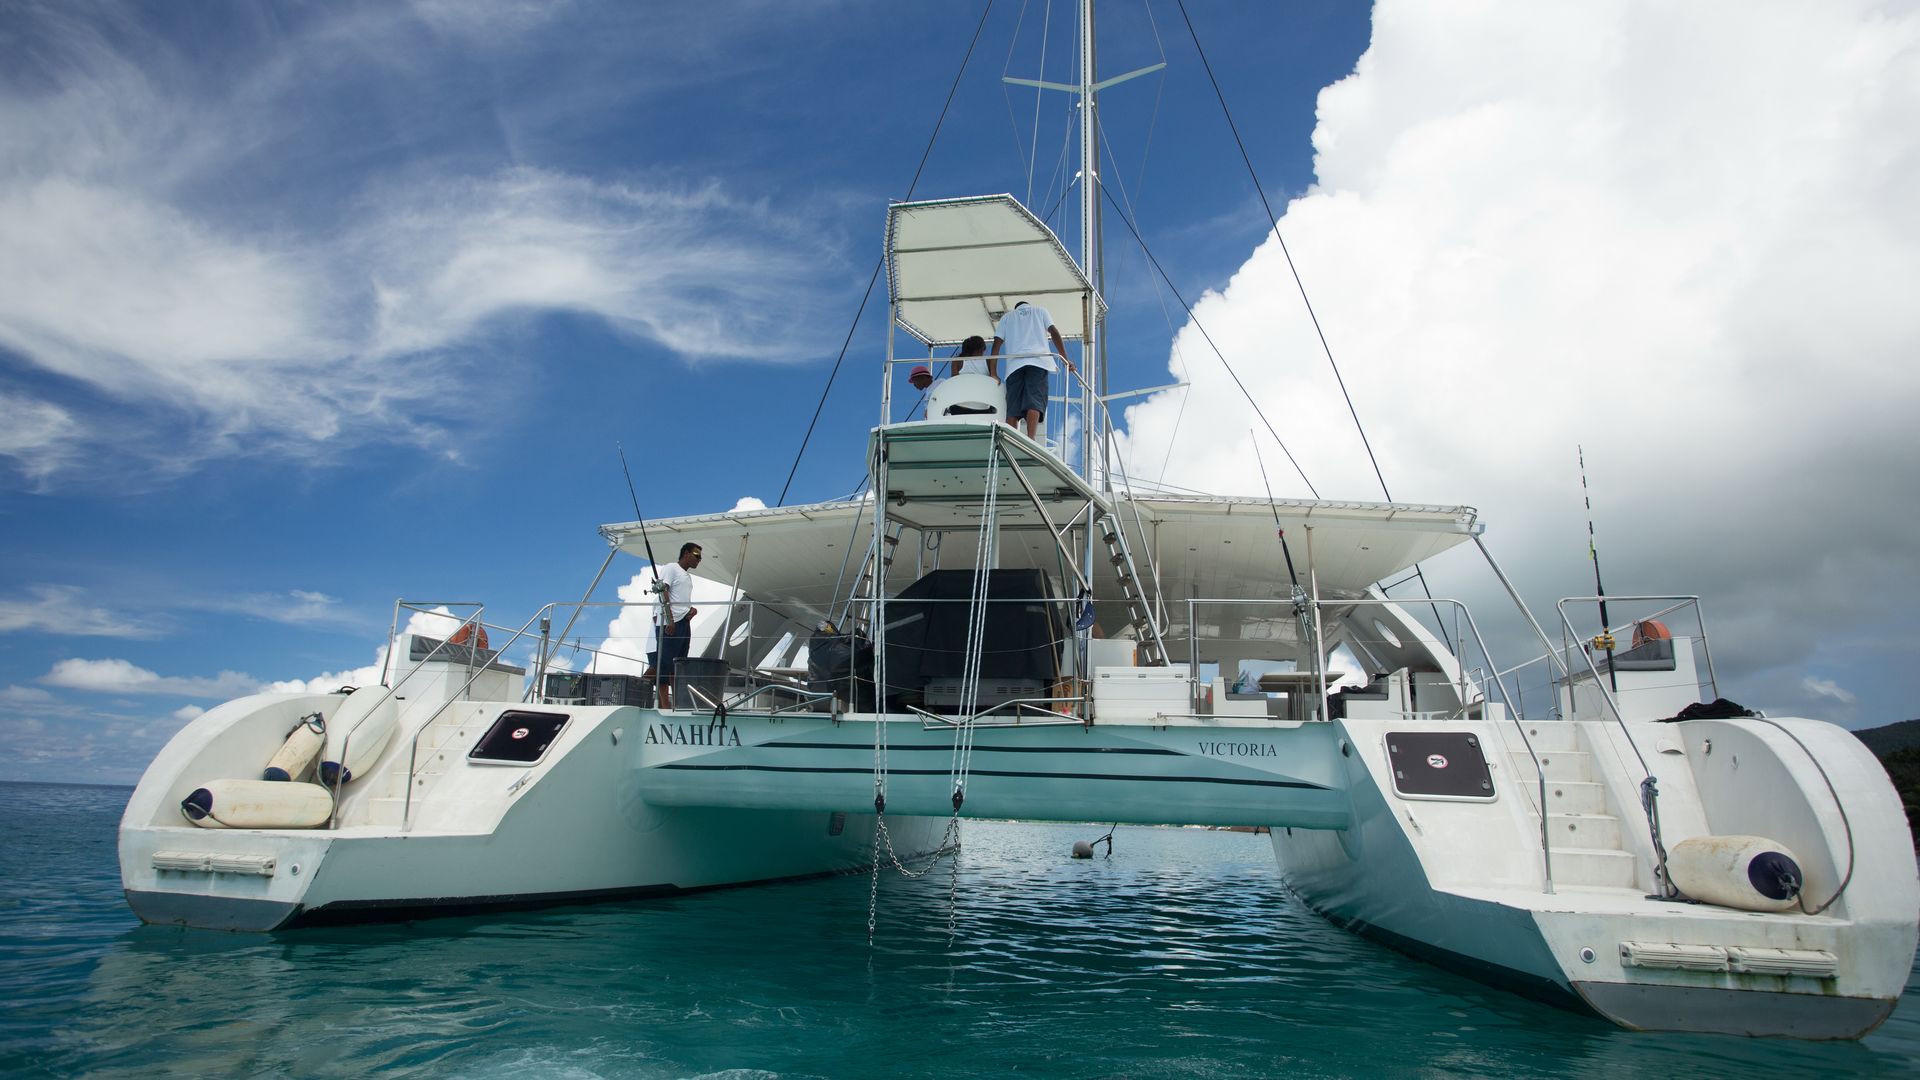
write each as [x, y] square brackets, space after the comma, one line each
[1023, 336]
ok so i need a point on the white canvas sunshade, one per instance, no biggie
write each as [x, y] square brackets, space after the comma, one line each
[954, 266]
[799, 559]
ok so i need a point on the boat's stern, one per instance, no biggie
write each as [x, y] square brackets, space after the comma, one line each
[176, 872]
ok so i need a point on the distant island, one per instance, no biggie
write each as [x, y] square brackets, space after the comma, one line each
[1898, 748]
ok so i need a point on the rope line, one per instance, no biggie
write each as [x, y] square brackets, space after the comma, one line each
[1197, 325]
[1274, 222]
[882, 261]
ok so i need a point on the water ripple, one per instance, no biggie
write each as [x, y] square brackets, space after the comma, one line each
[1180, 956]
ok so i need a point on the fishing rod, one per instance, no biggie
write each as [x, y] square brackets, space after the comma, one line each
[1301, 617]
[652, 563]
[1604, 639]
[1275, 507]
[660, 620]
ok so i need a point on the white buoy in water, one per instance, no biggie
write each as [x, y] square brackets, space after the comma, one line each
[1747, 873]
[360, 729]
[1082, 849]
[296, 755]
[258, 804]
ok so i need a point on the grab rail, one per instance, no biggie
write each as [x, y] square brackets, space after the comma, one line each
[1546, 845]
[413, 749]
[346, 741]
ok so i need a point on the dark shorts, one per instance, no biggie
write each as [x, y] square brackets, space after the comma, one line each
[673, 646]
[1026, 391]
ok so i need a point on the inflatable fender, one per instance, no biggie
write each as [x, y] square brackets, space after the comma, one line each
[258, 804]
[296, 755]
[361, 727]
[1747, 873]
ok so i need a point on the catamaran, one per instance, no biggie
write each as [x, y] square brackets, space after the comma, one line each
[1009, 626]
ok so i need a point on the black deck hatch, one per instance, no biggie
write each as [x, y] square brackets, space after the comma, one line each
[518, 737]
[1439, 765]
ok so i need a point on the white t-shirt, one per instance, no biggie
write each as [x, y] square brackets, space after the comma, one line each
[1024, 338]
[679, 585]
[971, 365]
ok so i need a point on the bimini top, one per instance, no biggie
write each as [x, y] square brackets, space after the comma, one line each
[954, 266]
[804, 559]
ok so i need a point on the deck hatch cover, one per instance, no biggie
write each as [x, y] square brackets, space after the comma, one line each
[1439, 765]
[518, 737]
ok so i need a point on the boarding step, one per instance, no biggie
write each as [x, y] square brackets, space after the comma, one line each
[1593, 866]
[1576, 797]
[1550, 735]
[1554, 764]
[386, 811]
[1597, 831]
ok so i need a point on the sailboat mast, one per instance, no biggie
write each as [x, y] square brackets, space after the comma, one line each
[1090, 247]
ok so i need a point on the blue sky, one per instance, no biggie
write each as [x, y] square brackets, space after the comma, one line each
[313, 306]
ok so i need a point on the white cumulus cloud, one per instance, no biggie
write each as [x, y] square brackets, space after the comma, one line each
[1683, 236]
[116, 676]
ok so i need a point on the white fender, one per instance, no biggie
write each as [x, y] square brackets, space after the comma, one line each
[1747, 873]
[362, 726]
[258, 804]
[296, 755]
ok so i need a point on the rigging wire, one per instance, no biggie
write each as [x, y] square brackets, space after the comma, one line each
[1160, 91]
[1274, 222]
[1197, 325]
[1028, 158]
[882, 261]
[1160, 298]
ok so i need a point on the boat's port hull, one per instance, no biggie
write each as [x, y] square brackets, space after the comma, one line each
[351, 879]
[430, 829]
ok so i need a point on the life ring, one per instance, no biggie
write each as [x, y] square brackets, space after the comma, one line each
[473, 632]
[1644, 631]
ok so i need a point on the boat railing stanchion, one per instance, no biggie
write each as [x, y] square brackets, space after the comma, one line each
[1506, 699]
[393, 631]
[413, 747]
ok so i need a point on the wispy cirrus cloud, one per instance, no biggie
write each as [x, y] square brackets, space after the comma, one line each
[73, 611]
[296, 607]
[197, 294]
[66, 610]
[25, 695]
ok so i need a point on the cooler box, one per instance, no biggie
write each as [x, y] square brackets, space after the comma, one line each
[566, 688]
[1140, 693]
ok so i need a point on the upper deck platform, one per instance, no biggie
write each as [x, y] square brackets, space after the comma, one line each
[1201, 546]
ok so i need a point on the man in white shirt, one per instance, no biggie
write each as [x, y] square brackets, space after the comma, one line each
[676, 588]
[1023, 336]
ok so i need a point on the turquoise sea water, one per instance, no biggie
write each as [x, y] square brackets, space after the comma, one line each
[1178, 957]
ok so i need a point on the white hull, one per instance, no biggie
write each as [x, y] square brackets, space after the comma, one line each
[1462, 884]
[570, 828]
